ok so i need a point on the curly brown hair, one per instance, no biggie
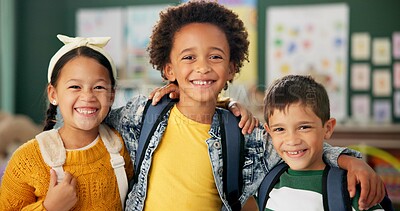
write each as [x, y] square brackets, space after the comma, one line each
[175, 17]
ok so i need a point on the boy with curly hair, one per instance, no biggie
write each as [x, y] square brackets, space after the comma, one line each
[199, 46]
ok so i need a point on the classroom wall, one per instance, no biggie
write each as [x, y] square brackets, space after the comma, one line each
[37, 24]
[39, 21]
[378, 18]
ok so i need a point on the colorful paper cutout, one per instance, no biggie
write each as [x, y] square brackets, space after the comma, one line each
[382, 111]
[360, 108]
[360, 46]
[381, 83]
[396, 45]
[381, 51]
[360, 76]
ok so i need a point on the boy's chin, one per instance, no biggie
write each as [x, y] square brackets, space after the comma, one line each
[299, 166]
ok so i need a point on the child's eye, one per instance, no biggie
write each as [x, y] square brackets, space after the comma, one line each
[304, 127]
[74, 87]
[188, 58]
[100, 87]
[278, 129]
[215, 57]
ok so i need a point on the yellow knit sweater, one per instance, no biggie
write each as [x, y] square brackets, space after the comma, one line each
[26, 178]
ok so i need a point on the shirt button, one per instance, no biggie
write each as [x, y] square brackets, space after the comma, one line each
[217, 144]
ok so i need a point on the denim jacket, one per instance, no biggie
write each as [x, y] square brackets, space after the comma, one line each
[259, 153]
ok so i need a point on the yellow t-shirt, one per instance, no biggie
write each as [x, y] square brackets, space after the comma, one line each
[181, 175]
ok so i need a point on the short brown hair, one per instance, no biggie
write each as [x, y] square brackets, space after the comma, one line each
[293, 89]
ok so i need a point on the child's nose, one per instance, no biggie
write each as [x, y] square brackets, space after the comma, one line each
[292, 139]
[87, 95]
[202, 67]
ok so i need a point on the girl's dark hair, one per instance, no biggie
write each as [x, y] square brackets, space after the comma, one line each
[174, 18]
[80, 51]
[293, 89]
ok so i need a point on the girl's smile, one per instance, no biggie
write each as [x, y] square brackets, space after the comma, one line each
[84, 95]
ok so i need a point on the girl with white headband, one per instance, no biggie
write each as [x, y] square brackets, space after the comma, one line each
[80, 166]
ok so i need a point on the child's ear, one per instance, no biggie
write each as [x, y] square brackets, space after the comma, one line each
[112, 97]
[266, 127]
[52, 93]
[329, 127]
[232, 71]
[169, 72]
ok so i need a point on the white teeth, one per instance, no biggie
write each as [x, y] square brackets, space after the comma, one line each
[295, 153]
[85, 111]
[202, 82]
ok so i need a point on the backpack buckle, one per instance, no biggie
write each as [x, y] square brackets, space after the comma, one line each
[117, 162]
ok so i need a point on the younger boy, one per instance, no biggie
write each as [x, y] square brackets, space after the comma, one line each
[297, 116]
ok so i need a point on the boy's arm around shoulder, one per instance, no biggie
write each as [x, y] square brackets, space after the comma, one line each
[332, 154]
[128, 115]
[271, 156]
[254, 167]
[358, 172]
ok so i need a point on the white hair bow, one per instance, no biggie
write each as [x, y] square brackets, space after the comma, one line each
[70, 43]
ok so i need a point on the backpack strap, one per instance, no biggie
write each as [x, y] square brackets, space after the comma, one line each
[54, 155]
[336, 197]
[268, 184]
[386, 203]
[232, 149]
[53, 151]
[114, 146]
[152, 116]
[334, 189]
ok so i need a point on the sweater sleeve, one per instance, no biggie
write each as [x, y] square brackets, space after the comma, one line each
[19, 183]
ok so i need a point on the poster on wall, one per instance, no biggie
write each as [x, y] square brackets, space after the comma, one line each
[396, 75]
[140, 22]
[310, 40]
[360, 46]
[104, 22]
[382, 86]
[360, 108]
[396, 104]
[129, 29]
[382, 111]
[381, 51]
[360, 76]
[396, 45]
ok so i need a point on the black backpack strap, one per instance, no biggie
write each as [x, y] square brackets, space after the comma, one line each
[334, 189]
[152, 116]
[268, 184]
[386, 203]
[337, 196]
[232, 141]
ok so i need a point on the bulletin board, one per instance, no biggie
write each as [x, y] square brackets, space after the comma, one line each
[371, 80]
